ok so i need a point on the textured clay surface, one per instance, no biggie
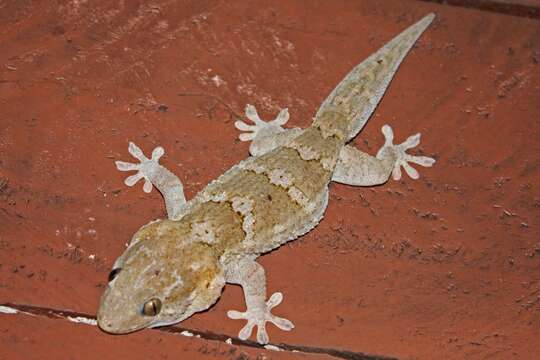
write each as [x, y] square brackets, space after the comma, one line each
[446, 267]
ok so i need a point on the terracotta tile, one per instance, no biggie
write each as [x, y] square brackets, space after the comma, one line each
[27, 337]
[522, 8]
[443, 267]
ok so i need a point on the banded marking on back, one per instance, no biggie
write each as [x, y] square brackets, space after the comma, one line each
[307, 176]
[277, 191]
[313, 145]
[215, 222]
[333, 123]
[260, 203]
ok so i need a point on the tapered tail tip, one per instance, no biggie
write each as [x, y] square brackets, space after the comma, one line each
[429, 18]
[422, 24]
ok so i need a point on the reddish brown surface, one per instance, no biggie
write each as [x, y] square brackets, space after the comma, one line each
[444, 267]
[522, 8]
[31, 338]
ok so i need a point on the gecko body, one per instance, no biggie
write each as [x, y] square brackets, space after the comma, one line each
[178, 266]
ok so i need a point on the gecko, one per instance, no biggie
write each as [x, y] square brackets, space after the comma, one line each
[178, 266]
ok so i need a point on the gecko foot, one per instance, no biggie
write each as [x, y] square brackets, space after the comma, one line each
[145, 168]
[261, 127]
[259, 317]
[402, 158]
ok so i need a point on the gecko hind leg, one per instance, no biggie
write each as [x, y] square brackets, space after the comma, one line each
[360, 169]
[168, 184]
[250, 275]
[402, 159]
[265, 135]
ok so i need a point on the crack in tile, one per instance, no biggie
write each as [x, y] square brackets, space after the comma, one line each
[78, 317]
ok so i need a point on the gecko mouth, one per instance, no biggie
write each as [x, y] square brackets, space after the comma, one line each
[111, 327]
[116, 320]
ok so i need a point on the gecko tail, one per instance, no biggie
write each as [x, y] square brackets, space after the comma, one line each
[358, 94]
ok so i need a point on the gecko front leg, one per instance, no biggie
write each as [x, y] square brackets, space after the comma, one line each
[265, 136]
[168, 184]
[250, 275]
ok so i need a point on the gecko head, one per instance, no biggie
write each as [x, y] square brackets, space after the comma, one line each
[160, 280]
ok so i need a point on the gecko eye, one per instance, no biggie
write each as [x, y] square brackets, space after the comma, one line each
[151, 307]
[114, 273]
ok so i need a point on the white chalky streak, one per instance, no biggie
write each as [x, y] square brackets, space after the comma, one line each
[82, 320]
[8, 310]
[272, 347]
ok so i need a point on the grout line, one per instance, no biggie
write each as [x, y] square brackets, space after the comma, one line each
[497, 6]
[73, 316]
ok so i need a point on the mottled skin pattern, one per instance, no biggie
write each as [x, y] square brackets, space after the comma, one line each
[176, 267]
